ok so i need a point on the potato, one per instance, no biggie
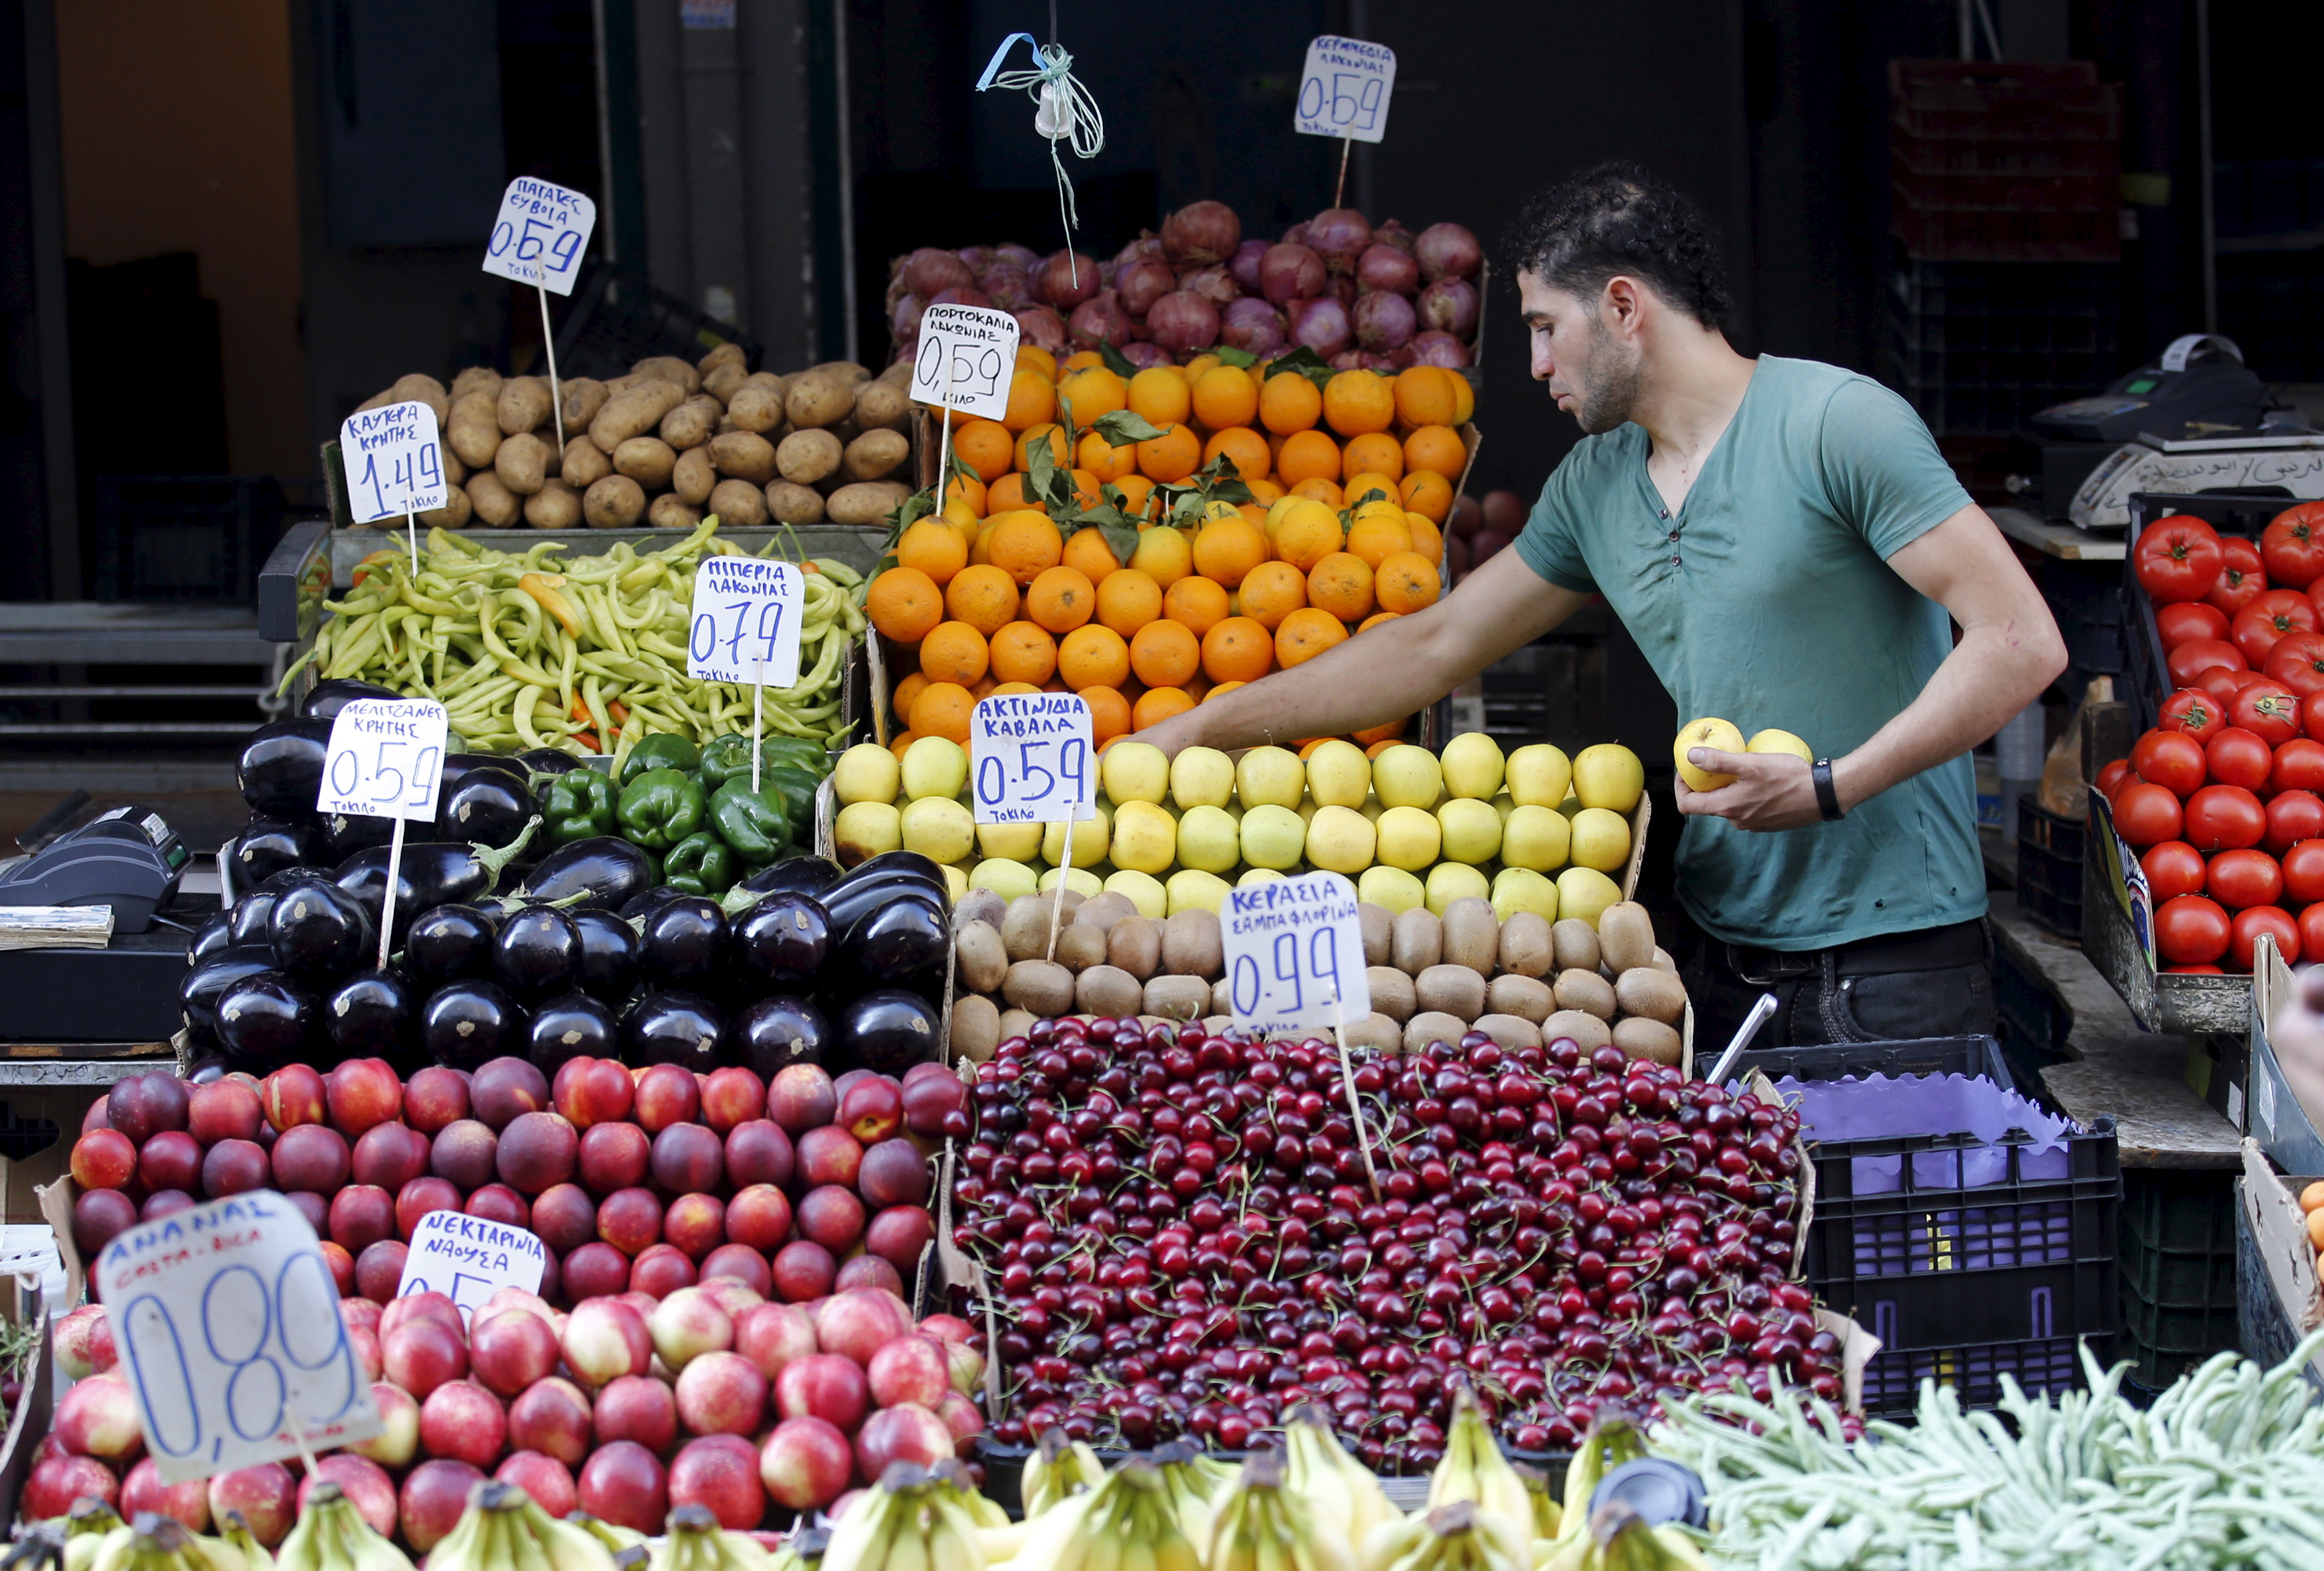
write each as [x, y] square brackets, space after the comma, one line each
[875, 456]
[725, 355]
[866, 502]
[976, 1027]
[1040, 987]
[881, 406]
[1102, 911]
[1015, 1023]
[422, 388]
[1178, 998]
[1376, 1031]
[745, 456]
[1663, 962]
[1392, 992]
[1509, 1031]
[613, 501]
[1450, 989]
[670, 368]
[633, 411]
[720, 382]
[773, 382]
[494, 504]
[1025, 929]
[1473, 935]
[586, 463]
[1626, 937]
[793, 504]
[1574, 944]
[817, 400]
[456, 473]
[624, 381]
[980, 905]
[846, 373]
[739, 504]
[1108, 991]
[846, 431]
[1080, 947]
[1428, 1027]
[1526, 947]
[522, 405]
[671, 510]
[1135, 945]
[583, 397]
[1652, 994]
[1587, 991]
[693, 476]
[648, 460]
[807, 456]
[1586, 1031]
[899, 374]
[556, 506]
[455, 513]
[476, 379]
[1525, 997]
[1650, 1039]
[1377, 925]
[1222, 998]
[1416, 941]
[755, 408]
[474, 429]
[979, 958]
[691, 423]
[1191, 944]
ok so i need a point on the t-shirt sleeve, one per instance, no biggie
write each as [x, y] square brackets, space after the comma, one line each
[1882, 470]
[1549, 543]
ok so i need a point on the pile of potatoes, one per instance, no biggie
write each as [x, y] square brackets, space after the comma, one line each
[1522, 981]
[669, 443]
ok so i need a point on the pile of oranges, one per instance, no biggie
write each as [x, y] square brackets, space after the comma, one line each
[1351, 482]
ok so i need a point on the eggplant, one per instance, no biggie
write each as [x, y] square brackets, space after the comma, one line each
[341, 835]
[208, 1070]
[673, 1028]
[469, 1024]
[652, 900]
[325, 699]
[538, 953]
[774, 1033]
[281, 770]
[266, 847]
[796, 874]
[373, 1014]
[247, 918]
[500, 908]
[851, 899]
[576, 1026]
[684, 943]
[266, 1021]
[889, 862]
[446, 943]
[214, 937]
[609, 953]
[781, 942]
[458, 766]
[608, 870]
[549, 760]
[317, 930]
[900, 943]
[200, 989]
[432, 872]
[886, 1031]
[487, 807]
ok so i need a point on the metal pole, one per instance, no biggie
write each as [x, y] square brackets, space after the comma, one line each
[2204, 175]
[845, 173]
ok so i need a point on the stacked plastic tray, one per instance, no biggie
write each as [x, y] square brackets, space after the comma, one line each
[2005, 161]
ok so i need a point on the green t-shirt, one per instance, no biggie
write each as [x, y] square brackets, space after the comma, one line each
[1767, 601]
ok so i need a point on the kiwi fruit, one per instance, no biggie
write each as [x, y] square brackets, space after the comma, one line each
[1428, 1027]
[1587, 1032]
[980, 958]
[975, 1027]
[980, 905]
[1586, 991]
[1135, 945]
[1377, 1031]
[1025, 929]
[1626, 937]
[1640, 1037]
[1574, 944]
[1377, 924]
[1392, 994]
[1651, 995]
[1416, 941]
[1472, 935]
[1191, 944]
[1526, 997]
[1450, 989]
[1509, 1031]
[1179, 998]
[1040, 987]
[1108, 991]
[1103, 911]
[1526, 949]
[1080, 946]
[1015, 1023]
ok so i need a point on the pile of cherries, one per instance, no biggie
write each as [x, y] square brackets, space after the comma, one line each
[1180, 1237]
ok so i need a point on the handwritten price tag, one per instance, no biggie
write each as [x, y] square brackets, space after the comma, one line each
[1292, 946]
[540, 234]
[228, 1324]
[965, 359]
[1032, 753]
[746, 622]
[393, 460]
[1344, 90]
[469, 1259]
[385, 761]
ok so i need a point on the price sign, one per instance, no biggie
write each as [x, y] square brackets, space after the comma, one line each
[539, 234]
[965, 359]
[1032, 753]
[228, 1324]
[393, 460]
[746, 622]
[1344, 90]
[1292, 946]
[386, 760]
[469, 1259]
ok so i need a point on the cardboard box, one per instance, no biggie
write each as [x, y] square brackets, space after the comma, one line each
[2283, 1126]
[2281, 1301]
[38, 1126]
[2118, 935]
[28, 1422]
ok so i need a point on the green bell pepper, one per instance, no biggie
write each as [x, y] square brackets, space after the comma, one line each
[699, 864]
[758, 828]
[662, 750]
[728, 757]
[798, 787]
[578, 805]
[658, 808]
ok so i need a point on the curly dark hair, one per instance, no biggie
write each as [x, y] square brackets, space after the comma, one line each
[1618, 218]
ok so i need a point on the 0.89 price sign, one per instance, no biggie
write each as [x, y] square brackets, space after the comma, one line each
[745, 625]
[539, 235]
[393, 460]
[1032, 753]
[228, 1320]
[385, 759]
[1295, 954]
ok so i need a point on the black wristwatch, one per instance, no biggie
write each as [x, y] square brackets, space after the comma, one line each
[1827, 796]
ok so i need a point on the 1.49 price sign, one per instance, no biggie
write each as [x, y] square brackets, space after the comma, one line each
[746, 622]
[1032, 756]
[1295, 954]
[385, 760]
[393, 460]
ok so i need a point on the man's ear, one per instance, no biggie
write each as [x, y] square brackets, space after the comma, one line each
[1621, 302]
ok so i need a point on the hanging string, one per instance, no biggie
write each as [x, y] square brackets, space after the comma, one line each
[1064, 113]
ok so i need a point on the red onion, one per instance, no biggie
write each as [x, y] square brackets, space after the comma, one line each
[929, 270]
[1383, 321]
[1450, 306]
[1469, 516]
[1214, 283]
[896, 288]
[1287, 273]
[1338, 235]
[1146, 248]
[1504, 511]
[1252, 326]
[1393, 233]
[1066, 280]
[1140, 283]
[1320, 325]
[904, 317]
[1296, 235]
[1009, 285]
[961, 295]
[1433, 349]
[1361, 360]
[1244, 264]
[1386, 269]
[1100, 320]
[1201, 233]
[1146, 357]
[1342, 288]
[1024, 256]
[1182, 322]
[1042, 327]
[1447, 251]
[1105, 272]
[977, 259]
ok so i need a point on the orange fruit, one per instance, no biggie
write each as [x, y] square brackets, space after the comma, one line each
[1245, 449]
[1373, 453]
[1377, 536]
[984, 686]
[904, 604]
[1227, 548]
[1032, 399]
[1081, 360]
[1007, 494]
[1126, 600]
[1195, 604]
[1158, 705]
[1464, 400]
[942, 710]
[1307, 533]
[1136, 494]
[1237, 650]
[1356, 401]
[1093, 657]
[1061, 599]
[1273, 591]
[1437, 449]
[1163, 654]
[906, 690]
[1037, 358]
[901, 743]
[968, 489]
[1025, 545]
[1376, 740]
[1427, 538]
[1308, 455]
[1304, 634]
[1085, 488]
[983, 596]
[1023, 652]
[1060, 454]
[1290, 402]
[1425, 396]
[954, 651]
[1102, 458]
[1264, 490]
[1159, 395]
[1218, 688]
[1427, 492]
[1342, 584]
[1084, 395]
[1087, 554]
[986, 447]
[934, 547]
[1109, 714]
[1371, 490]
[1164, 554]
[1319, 489]
[1374, 620]
[1407, 582]
[1224, 396]
[1009, 689]
[1172, 456]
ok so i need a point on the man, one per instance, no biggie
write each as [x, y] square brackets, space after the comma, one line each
[1785, 543]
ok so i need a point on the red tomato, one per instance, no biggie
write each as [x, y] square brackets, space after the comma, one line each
[2145, 814]
[2267, 710]
[2311, 930]
[2291, 547]
[2191, 619]
[2243, 935]
[2190, 930]
[2112, 778]
[2191, 970]
[2198, 655]
[2242, 578]
[2239, 758]
[2239, 880]
[2299, 766]
[2172, 759]
[2269, 617]
[2303, 877]
[2297, 662]
[2177, 558]
[2292, 815]
[2221, 683]
[2174, 868]
[2192, 710]
[2312, 716]
[2222, 817]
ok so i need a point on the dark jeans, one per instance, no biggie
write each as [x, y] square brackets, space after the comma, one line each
[1889, 989]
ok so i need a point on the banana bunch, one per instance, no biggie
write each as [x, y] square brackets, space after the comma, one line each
[615, 1539]
[152, 1542]
[1337, 1487]
[695, 1542]
[907, 1522]
[1617, 1538]
[1261, 1524]
[1130, 1522]
[1547, 1513]
[331, 1535]
[503, 1529]
[42, 1548]
[1058, 1468]
[1461, 1536]
[235, 1531]
[1610, 1442]
[1192, 1482]
[1473, 1469]
[86, 1527]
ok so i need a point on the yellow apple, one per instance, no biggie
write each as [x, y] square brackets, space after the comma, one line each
[1708, 731]
[1607, 776]
[1772, 741]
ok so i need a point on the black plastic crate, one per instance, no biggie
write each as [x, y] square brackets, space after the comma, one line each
[1924, 1056]
[617, 317]
[184, 537]
[2178, 1239]
[2050, 867]
[1893, 1377]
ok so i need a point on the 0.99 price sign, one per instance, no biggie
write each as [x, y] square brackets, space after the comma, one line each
[541, 233]
[745, 625]
[385, 759]
[393, 460]
[964, 359]
[1295, 954]
[228, 1320]
[1032, 759]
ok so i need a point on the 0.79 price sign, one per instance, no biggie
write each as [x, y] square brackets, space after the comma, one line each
[745, 625]
[385, 759]
[1295, 954]
[393, 460]
[1032, 753]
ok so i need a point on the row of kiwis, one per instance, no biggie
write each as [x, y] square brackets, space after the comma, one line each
[1522, 980]
[667, 443]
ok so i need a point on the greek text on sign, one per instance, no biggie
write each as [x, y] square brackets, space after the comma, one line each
[746, 622]
[386, 758]
[1295, 954]
[469, 1259]
[1032, 753]
[1345, 88]
[541, 233]
[227, 1319]
[965, 357]
[394, 462]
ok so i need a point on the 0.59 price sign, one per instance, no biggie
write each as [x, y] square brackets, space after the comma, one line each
[964, 359]
[1032, 759]
[1295, 954]
[228, 1320]
[745, 625]
[1345, 87]
[541, 233]
[385, 759]
[393, 460]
